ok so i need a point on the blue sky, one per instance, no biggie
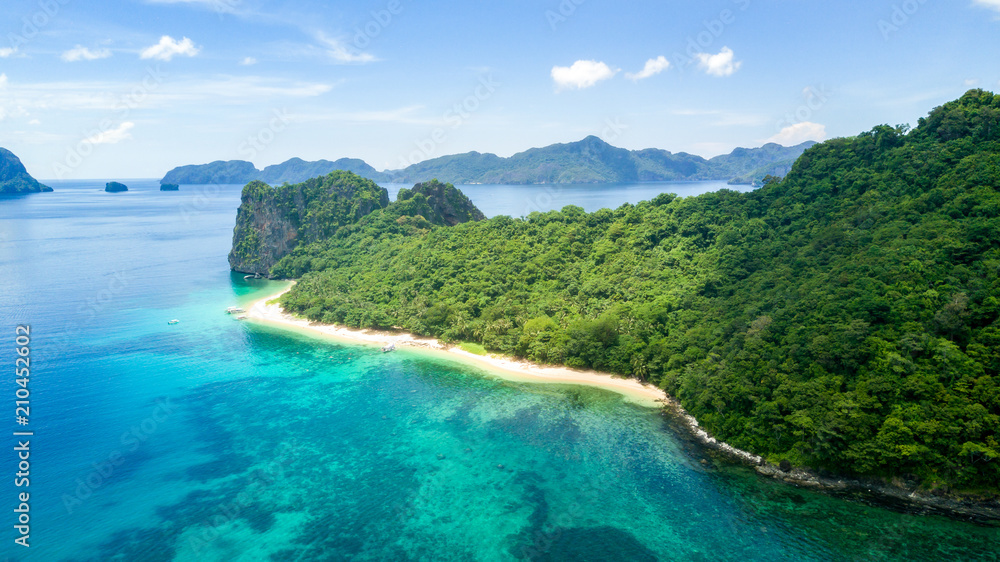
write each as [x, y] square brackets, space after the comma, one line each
[133, 88]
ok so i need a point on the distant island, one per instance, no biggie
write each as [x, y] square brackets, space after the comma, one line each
[115, 187]
[590, 160]
[14, 178]
[169, 187]
[593, 160]
[294, 170]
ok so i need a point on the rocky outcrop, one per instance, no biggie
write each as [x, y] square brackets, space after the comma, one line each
[14, 178]
[439, 203]
[115, 187]
[169, 187]
[272, 221]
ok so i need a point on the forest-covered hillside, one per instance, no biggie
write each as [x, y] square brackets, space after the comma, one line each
[845, 318]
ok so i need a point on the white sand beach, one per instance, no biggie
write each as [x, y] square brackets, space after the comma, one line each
[505, 367]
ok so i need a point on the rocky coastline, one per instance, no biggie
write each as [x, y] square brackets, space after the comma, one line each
[898, 495]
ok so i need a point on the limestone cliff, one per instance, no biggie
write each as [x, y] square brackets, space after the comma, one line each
[272, 221]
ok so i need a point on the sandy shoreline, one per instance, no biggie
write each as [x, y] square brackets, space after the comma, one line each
[635, 392]
[505, 367]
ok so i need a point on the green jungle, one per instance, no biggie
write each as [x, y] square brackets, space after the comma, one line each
[844, 318]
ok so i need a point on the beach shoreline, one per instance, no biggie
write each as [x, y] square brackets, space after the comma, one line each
[508, 368]
[891, 495]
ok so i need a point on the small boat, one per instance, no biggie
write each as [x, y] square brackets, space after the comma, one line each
[234, 310]
[241, 317]
[173, 321]
[389, 347]
[254, 276]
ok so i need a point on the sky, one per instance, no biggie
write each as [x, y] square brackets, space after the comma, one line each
[133, 88]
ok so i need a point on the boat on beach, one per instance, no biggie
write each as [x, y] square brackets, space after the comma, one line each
[391, 346]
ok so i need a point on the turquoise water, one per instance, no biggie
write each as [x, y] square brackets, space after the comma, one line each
[215, 439]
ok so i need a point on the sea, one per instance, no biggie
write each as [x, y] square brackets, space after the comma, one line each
[213, 439]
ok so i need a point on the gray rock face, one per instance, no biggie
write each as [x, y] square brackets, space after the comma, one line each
[272, 221]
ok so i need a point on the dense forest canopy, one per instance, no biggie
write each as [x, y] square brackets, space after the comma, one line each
[845, 318]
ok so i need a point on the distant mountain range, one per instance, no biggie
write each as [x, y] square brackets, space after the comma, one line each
[590, 160]
[14, 178]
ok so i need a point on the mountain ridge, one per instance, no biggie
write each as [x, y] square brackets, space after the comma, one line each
[590, 160]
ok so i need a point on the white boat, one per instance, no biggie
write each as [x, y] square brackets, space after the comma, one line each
[234, 310]
[241, 317]
[173, 321]
[391, 346]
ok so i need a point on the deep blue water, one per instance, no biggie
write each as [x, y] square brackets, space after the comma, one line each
[214, 439]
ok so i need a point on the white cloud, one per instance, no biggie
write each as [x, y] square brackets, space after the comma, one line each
[82, 53]
[971, 82]
[652, 68]
[6, 52]
[34, 122]
[339, 53]
[721, 64]
[113, 136]
[94, 95]
[992, 4]
[583, 74]
[800, 133]
[168, 47]
[248, 61]
[3, 81]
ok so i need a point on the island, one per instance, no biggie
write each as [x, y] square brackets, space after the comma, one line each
[14, 178]
[590, 160]
[844, 320]
[593, 160]
[115, 187]
[294, 170]
[169, 187]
